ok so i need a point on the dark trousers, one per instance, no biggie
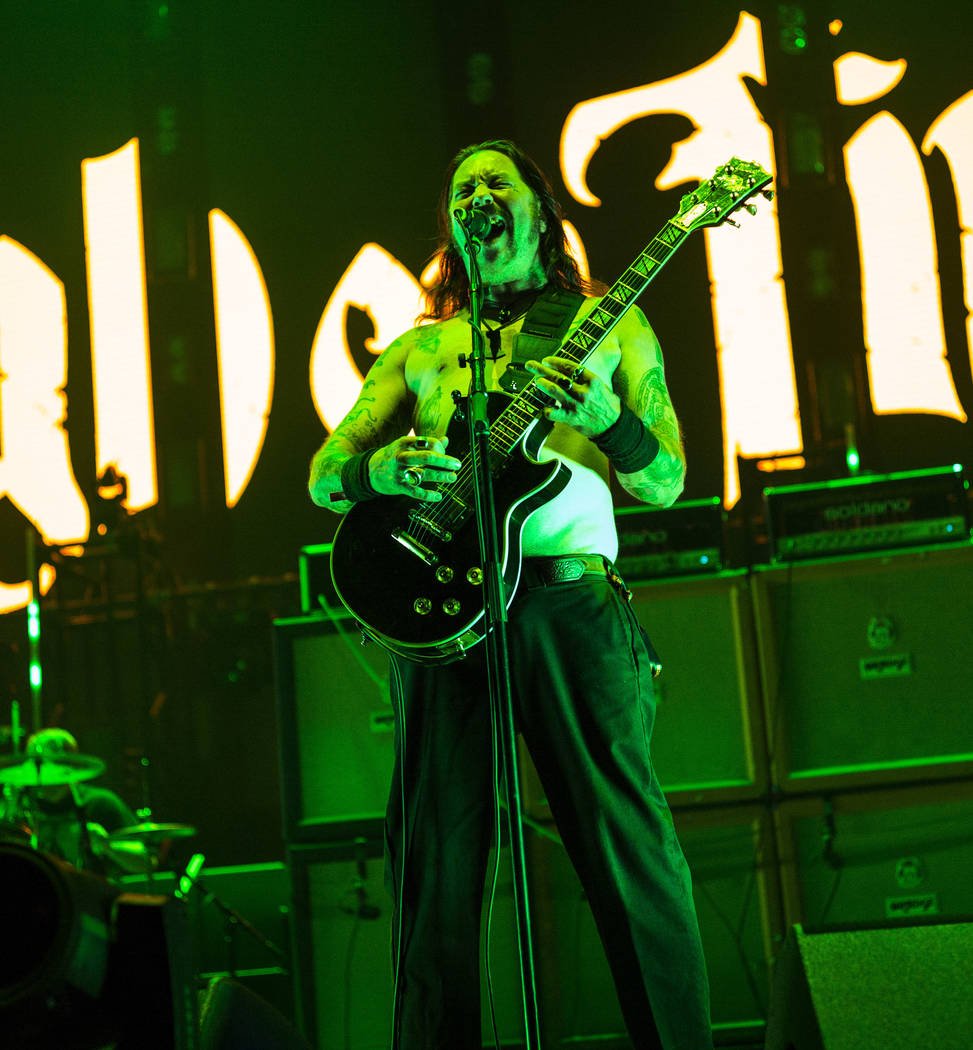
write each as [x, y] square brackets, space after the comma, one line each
[584, 704]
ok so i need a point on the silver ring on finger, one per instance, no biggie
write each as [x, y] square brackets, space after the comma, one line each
[412, 476]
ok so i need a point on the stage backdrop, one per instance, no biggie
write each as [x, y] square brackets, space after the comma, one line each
[214, 215]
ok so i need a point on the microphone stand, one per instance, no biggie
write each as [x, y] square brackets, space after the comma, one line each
[232, 919]
[498, 658]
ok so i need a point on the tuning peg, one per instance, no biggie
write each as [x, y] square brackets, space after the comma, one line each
[751, 208]
[733, 222]
[768, 194]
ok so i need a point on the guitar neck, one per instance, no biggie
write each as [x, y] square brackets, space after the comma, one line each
[511, 424]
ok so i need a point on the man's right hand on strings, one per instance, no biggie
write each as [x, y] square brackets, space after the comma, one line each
[407, 465]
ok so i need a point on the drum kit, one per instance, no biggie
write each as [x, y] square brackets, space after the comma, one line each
[21, 774]
[56, 904]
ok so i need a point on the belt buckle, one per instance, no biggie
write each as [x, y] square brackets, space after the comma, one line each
[562, 570]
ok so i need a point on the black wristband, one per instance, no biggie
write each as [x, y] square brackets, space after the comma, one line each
[628, 443]
[354, 477]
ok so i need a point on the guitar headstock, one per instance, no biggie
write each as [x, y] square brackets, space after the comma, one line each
[715, 200]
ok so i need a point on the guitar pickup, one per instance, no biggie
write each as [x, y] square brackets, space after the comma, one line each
[433, 527]
[414, 546]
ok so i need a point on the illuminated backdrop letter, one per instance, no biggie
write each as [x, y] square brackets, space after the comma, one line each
[901, 300]
[379, 284]
[244, 351]
[35, 464]
[952, 132]
[115, 260]
[759, 395]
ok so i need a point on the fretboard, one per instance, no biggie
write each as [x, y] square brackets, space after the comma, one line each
[510, 426]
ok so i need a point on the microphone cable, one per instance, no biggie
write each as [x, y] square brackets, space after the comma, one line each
[495, 876]
[395, 683]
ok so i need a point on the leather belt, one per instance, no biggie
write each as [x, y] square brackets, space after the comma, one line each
[542, 572]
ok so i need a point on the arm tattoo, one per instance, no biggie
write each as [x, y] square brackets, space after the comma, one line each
[662, 481]
[430, 413]
[653, 406]
[361, 420]
[361, 429]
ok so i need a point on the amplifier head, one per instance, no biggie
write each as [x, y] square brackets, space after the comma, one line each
[883, 512]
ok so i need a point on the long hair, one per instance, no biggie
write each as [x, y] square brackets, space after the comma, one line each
[451, 291]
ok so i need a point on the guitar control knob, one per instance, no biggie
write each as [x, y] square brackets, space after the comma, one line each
[423, 606]
[444, 574]
[475, 576]
[451, 607]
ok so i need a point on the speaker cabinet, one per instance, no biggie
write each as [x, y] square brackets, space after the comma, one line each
[730, 852]
[342, 936]
[879, 857]
[336, 729]
[873, 989]
[342, 945]
[866, 668]
[708, 738]
[342, 940]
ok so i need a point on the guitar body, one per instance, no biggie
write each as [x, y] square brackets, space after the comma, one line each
[417, 588]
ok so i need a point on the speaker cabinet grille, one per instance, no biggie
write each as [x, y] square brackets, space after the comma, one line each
[344, 959]
[883, 856]
[708, 736]
[873, 989]
[866, 667]
[336, 729]
[342, 945]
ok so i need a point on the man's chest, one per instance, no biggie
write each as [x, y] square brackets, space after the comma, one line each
[433, 377]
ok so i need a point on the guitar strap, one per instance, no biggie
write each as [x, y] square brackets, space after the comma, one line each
[544, 328]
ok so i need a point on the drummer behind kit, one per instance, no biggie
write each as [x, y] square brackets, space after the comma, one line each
[48, 805]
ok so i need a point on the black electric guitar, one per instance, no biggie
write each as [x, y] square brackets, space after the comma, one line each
[410, 571]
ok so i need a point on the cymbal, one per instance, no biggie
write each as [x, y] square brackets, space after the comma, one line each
[49, 770]
[152, 834]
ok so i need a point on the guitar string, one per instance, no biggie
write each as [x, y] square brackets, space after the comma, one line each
[462, 489]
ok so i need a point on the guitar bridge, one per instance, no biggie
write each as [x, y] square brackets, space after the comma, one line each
[414, 546]
[437, 530]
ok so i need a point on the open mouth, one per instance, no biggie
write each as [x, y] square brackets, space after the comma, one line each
[497, 226]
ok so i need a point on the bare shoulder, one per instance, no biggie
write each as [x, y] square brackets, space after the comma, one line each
[635, 335]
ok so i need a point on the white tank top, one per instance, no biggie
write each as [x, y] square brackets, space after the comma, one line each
[579, 520]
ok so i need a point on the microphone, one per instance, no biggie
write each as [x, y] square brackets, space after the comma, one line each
[475, 221]
[188, 879]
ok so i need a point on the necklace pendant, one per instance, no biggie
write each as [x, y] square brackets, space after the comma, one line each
[493, 338]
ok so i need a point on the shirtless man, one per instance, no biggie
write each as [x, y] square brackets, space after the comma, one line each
[580, 666]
